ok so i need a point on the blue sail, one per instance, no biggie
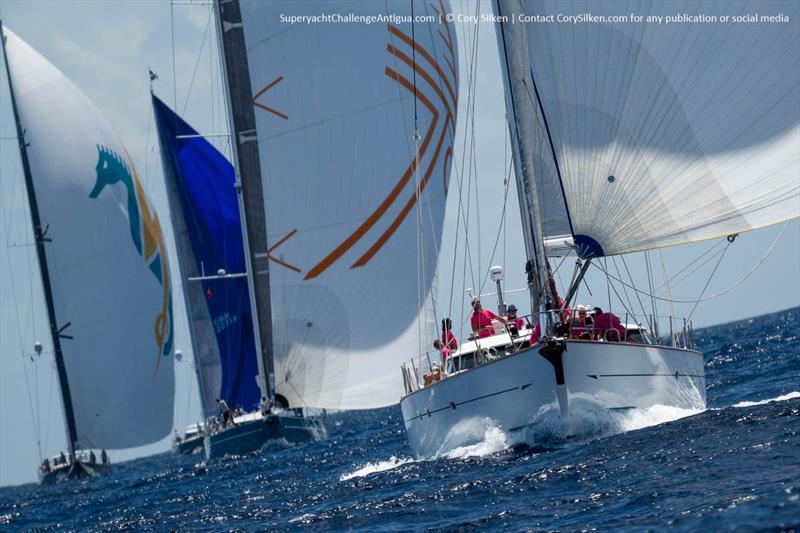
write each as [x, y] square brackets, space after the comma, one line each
[202, 195]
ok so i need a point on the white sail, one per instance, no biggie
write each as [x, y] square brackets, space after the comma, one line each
[106, 257]
[353, 248]
[659, 133]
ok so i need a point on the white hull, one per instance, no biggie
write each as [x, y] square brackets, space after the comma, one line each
[518, 390]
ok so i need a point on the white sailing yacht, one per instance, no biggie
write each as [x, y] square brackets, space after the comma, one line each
[103, 265]
[340, 226]
[626, 136]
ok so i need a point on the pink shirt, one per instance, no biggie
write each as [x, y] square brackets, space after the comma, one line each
[606, 321]
[449, 340]
[537, 332]
[518, 323]
[481, 320]
[445, 354]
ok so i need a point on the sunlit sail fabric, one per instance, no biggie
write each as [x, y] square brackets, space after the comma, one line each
[353, 248]
[659, 133]
[107, 260]
[205, 214]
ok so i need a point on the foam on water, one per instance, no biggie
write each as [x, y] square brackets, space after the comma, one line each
[653, 416]
[379, 466]
[782, 398]
[494, 440]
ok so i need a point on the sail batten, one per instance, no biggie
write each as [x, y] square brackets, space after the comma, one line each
[664, 133]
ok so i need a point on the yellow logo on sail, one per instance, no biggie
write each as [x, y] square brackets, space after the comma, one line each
[145, 233]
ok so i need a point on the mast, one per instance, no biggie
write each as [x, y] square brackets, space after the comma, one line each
[533, 235]
[242, 125]
[39, 236]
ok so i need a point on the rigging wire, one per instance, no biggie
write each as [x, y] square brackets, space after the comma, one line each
[471, 63]
[34, 407]
[689, 274]
[649, 279]
[713, 296]
[666, 282]
[172, 36]
[420, 250]
[695, 260]
[500, 232]
[625, 290]
[199, 57]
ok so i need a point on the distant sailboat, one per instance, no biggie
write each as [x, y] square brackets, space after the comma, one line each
[626, 136]
[343, 199]
[104, 269]
[205, 216]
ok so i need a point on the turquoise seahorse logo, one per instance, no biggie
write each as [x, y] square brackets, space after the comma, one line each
[146, 234]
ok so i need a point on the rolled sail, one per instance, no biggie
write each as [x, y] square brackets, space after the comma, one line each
[205, 215]
[648, 133]
[107, 261]
[353, 210]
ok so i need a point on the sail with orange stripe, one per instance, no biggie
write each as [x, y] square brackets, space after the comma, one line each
[353, 204]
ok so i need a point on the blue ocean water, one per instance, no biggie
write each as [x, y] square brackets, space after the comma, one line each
[735, 466]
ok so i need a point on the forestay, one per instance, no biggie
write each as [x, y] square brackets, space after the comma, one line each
[354, 217]
[106, 256]
[657, 133]
[205, 215]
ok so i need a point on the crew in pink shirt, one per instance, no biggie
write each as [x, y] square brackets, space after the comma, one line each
[482, 320]
[443, 350]
[514, 323]
[608, 326]
[448, 338]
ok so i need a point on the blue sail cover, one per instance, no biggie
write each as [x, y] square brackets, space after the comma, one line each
[204, 181]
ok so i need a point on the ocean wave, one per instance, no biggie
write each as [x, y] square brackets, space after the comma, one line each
[379, 466]
[781, 398]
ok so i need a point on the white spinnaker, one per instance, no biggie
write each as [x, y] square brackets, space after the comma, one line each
[120, 372]
[334, 102]
[698, 123]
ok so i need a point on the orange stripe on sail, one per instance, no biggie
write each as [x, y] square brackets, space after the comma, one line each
[279, 261]
[447, 43]
[265, 108]
[395, 192]
[384, 238]
[427, 56]
[436, 87]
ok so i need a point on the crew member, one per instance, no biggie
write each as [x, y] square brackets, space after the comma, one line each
[448, 338]
[608, 326]
[225, 411]
[482, 320]
[514, 323]
[443, 350]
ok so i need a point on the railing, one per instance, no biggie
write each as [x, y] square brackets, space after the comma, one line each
[655, 330]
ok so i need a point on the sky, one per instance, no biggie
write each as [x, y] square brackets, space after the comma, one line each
[106, 49]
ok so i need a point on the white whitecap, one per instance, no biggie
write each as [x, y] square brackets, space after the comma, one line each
[380, 466]
[494, 440]
[782, 398]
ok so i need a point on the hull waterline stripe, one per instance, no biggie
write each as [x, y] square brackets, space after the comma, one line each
[673, 375]
[453, 405]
